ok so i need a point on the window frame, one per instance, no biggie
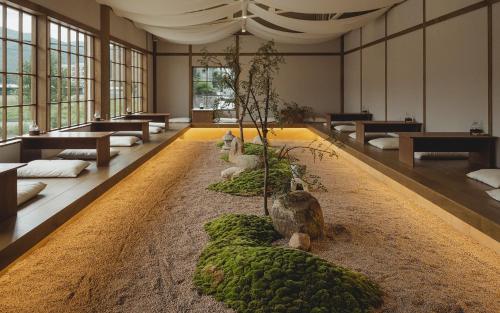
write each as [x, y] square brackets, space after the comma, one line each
[193, 68]
[4, 72]
[89, 81]
[121, 66]
[137, 78]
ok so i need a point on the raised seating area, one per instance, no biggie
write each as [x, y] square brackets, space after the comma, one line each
[442, 182]
[64, 197]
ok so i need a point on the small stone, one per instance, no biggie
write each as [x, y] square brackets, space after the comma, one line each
[300, 241]
[248, 162]
[257, 141]
[236, 149]
[232, 172]
[297, 212]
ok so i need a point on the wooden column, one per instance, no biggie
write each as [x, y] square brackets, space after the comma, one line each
[155, 65]
[342, 73]
[105, 62]
[190, 81]
[41, 67]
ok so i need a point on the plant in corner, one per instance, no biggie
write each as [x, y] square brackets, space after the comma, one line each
[293, 113]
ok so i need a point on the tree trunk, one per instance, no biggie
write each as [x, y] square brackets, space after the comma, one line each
[266, 171]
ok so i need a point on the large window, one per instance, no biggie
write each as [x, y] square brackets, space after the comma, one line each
[137, 83]
[71, 76]
[18, 72]
[208, 91]
[118, 81]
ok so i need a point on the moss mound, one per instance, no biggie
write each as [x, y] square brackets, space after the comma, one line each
[251, 182]
[240, 268]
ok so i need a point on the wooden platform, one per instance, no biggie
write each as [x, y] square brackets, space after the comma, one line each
[442, 182]
[65, 197]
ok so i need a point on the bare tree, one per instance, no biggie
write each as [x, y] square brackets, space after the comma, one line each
[230, 78]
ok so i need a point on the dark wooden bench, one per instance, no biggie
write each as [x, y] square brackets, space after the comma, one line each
[153, 117]
[122, 125]
[346, 117]
[481, 148]
[363, 127]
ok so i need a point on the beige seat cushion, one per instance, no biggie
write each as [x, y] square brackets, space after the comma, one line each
[487, 176]
[495, 194]
[83, 154]
[52, 168]
[123, 141]
[385, 143]
[345, 128]
[27, 190]
[369, 135]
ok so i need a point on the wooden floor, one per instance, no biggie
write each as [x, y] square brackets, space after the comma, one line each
[64, 197]
[443, 182]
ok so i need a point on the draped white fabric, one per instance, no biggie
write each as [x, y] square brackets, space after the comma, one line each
[206, 21]
[180, 20]
[196, 35]
[328, 6]
[163, 7]
[315, 27]
[267, 33]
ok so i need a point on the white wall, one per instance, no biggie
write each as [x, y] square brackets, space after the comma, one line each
[457, 73]
[311, 80]
[373, 80]
[405, 76]
[352, 82]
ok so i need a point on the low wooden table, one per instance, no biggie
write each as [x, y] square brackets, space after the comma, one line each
[481, 148]
[363, 127]
[31, 146]
[122, 125]
[8, 189]
[153, 117]
[347, 117]
[202, 116]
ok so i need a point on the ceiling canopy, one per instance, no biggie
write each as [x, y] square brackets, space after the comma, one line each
[284, 21]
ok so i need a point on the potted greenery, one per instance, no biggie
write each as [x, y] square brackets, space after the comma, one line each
[293, 113]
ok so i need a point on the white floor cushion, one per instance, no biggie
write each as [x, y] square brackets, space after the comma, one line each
[369, 135]
[441, 155]
[138, 133]
[27, 190]
[180, 120]
[155, 130]
[488, 176]
[337, 123]
[52, 168]
[83, 154]
[495, 194]
[123, 141]
[345, 128]
[226, 120]
[395, 135]
[157, 124]
[385, 143]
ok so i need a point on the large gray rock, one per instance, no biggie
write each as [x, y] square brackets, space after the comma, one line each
[300, 241]
[236, 149]
[297, 212]
[248, 162]
[232, 172]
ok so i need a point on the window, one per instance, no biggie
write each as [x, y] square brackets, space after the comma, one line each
[118, 80]
[18, 72]
[71, 76]
[137, 84]
[208, 92]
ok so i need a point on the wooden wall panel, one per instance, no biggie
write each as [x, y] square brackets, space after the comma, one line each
[352, 82]
[404, 16]
[373, 80]
[457, 73]
[405, 76]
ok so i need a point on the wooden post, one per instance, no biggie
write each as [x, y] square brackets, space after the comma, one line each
[105, 62]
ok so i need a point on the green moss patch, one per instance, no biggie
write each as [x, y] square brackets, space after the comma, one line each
[251, 182]
[241, 268]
